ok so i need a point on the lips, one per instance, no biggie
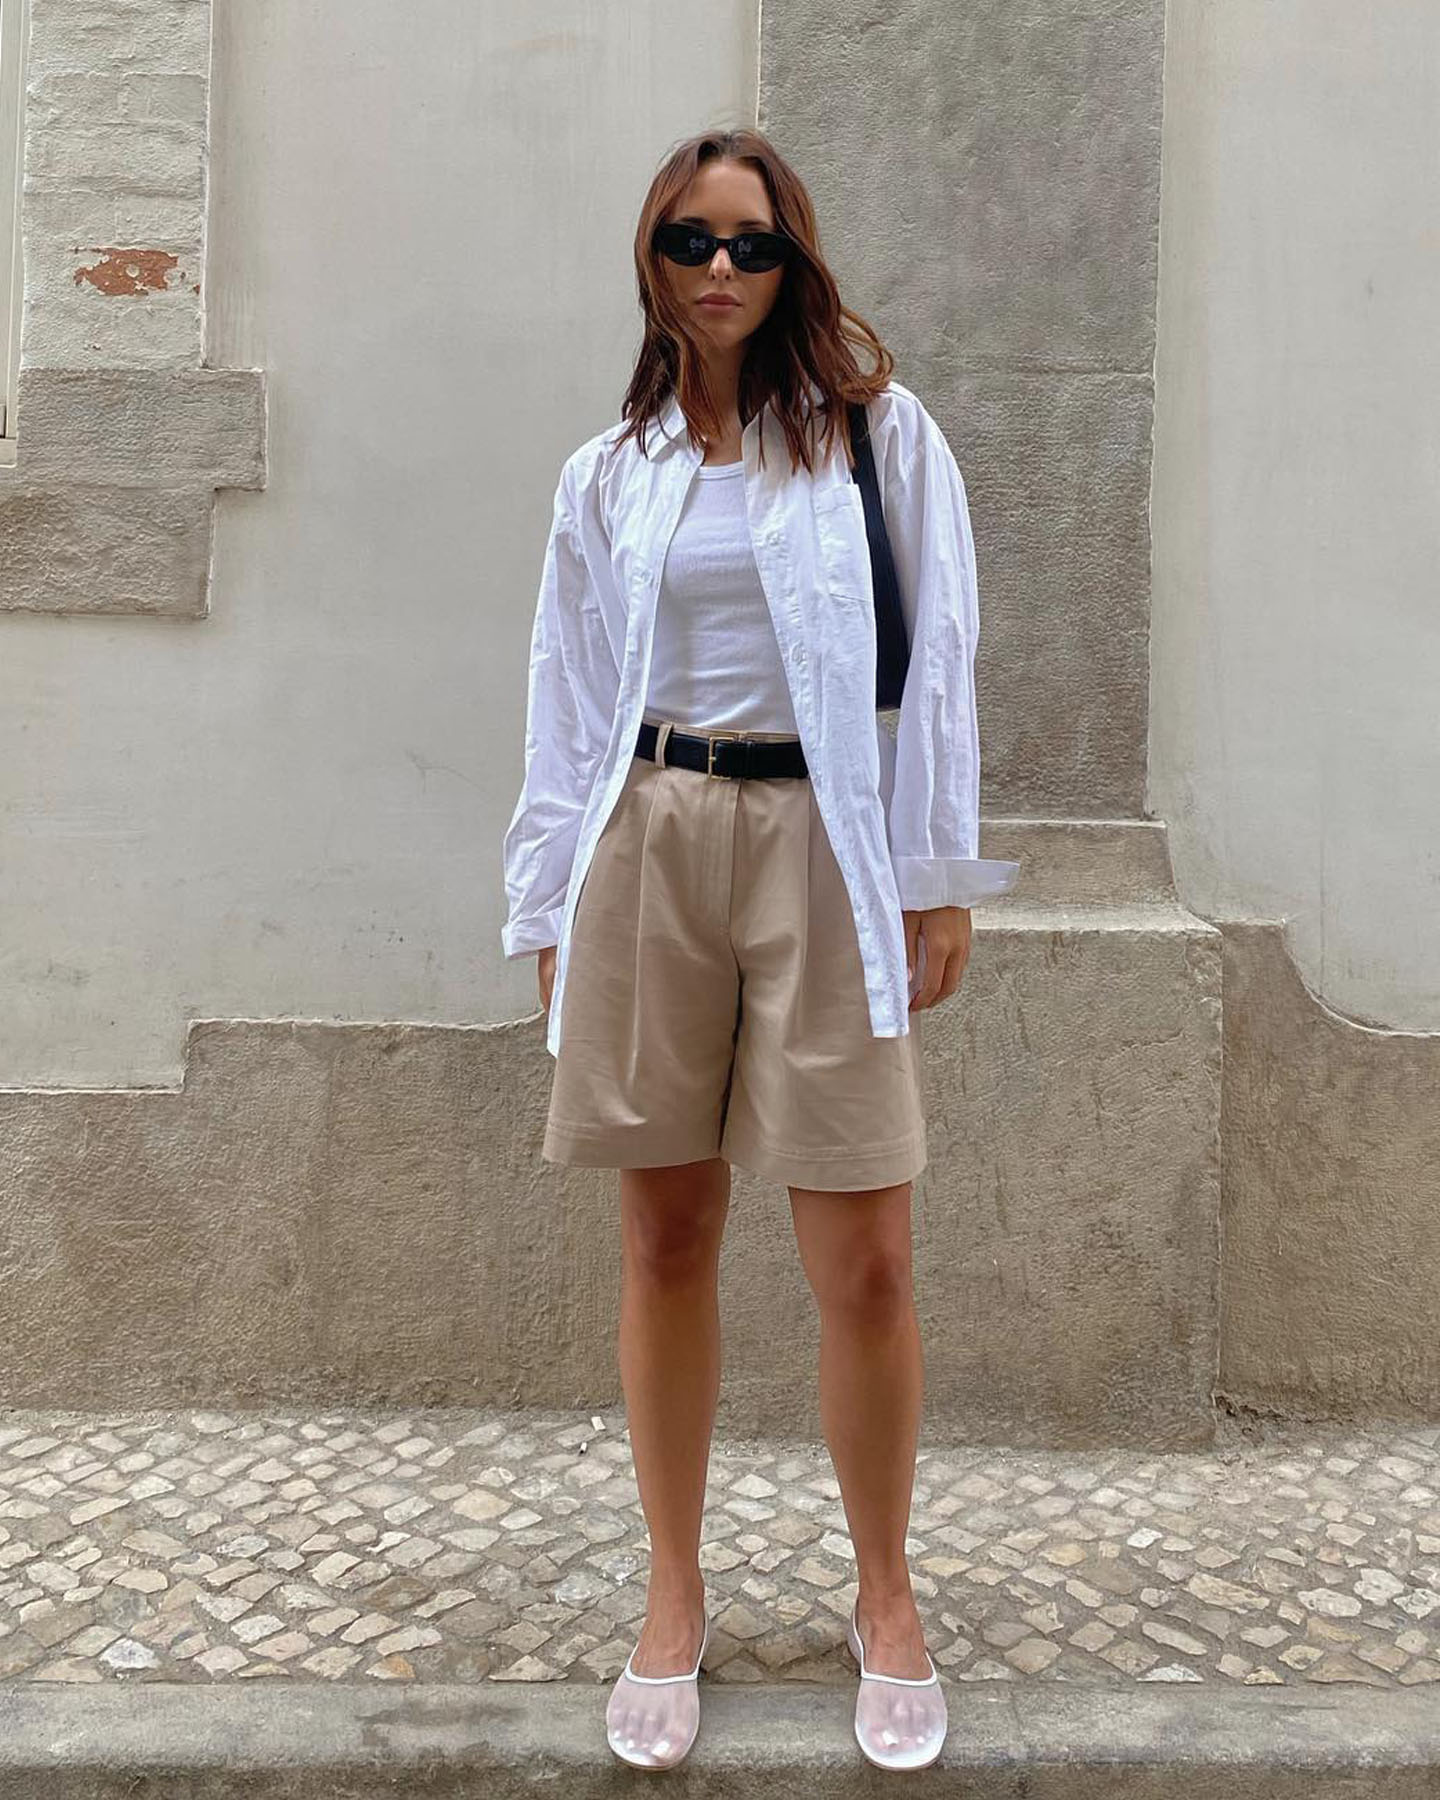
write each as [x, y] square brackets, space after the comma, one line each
[717, 301]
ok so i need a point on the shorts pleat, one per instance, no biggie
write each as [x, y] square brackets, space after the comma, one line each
[715, 1000]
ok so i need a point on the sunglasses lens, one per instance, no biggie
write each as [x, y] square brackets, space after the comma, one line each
[754, 253]
[684, 244]
[759, 252]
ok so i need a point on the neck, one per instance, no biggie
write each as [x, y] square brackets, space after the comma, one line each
[722, 375]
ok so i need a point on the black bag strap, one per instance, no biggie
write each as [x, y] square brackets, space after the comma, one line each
[892, 643]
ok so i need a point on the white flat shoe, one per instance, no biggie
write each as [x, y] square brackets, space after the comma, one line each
[900, 1720]
[651, 1720]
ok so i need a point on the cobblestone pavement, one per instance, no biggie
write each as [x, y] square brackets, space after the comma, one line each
[467, 1546]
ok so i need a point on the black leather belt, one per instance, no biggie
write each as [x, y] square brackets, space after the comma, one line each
[725, 753]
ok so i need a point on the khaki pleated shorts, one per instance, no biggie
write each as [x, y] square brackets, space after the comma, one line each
[715, 996]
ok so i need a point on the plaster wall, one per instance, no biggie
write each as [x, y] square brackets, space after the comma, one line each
[419, 227]
[1295, 639]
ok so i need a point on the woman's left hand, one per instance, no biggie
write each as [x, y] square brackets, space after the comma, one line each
[945, 931]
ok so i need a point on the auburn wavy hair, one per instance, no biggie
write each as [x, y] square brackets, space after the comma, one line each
[807, 336]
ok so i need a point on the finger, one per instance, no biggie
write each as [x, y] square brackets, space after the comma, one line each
[954, 969]
[929, 988]
[912, 940]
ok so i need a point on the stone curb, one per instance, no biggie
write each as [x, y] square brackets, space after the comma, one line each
[1042, 1742]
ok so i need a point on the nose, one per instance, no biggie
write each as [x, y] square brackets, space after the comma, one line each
[716, 263]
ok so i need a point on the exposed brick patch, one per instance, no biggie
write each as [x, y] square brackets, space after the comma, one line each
[130, 271]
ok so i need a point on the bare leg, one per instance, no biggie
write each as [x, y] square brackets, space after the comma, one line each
[855, 1249]
[672, 1222]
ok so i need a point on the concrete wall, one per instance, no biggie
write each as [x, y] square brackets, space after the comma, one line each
[991, 205]
[1295, 655]
[360, 1215]
[1331, 1219]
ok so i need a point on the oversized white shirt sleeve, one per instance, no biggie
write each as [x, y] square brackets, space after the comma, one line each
[570, 710]
[935, 803]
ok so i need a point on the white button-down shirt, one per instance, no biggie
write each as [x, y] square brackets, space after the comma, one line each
[898, 793]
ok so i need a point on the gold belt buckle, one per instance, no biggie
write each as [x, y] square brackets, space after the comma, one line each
[714, 737]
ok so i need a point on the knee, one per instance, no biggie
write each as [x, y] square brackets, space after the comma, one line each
[673, 1240]
[671, 1252]
[871, 1288]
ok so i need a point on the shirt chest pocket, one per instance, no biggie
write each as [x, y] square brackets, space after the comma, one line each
[842, 548]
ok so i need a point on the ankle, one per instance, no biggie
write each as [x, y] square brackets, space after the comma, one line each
[888, 1604]
[684, 1594]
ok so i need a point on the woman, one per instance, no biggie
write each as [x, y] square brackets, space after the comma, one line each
[743, 891]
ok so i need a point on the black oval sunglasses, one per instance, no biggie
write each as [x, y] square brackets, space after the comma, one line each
[752, 252]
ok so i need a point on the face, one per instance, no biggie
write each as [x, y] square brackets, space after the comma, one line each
[727, 199]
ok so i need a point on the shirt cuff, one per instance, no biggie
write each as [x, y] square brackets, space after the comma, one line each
[525, 936]
[926, 882]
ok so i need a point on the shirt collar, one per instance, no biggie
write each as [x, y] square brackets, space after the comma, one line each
[671, 419]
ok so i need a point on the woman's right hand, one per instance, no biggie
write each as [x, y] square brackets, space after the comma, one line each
[545, 964]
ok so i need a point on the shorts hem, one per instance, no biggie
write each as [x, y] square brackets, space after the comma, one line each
[883, 1164]
[603, 1147]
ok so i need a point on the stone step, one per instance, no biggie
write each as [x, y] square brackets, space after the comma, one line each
[1112, 863]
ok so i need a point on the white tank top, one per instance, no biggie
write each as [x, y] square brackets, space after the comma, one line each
[716, 660]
